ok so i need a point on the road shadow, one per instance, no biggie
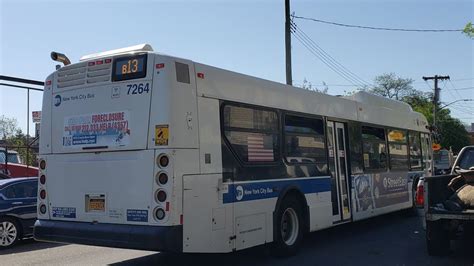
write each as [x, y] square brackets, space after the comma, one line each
[391, 239]
[28, 245]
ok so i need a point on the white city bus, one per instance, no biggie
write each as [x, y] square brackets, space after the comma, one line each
[148, 151]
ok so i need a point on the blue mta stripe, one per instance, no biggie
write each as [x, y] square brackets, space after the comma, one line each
[271, 189]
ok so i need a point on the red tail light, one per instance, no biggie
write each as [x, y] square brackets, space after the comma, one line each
[420, 199]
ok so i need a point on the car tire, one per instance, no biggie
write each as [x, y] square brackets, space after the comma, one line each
[9, 232]
[437, 238]
[288, 229]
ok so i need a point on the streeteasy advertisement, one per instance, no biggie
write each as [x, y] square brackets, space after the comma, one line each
[97, 129]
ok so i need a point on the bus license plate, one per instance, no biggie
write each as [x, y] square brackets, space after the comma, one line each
[95, 203]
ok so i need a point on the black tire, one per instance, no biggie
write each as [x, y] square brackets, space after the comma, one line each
[288, 244]
[7, 238]
[437, 238]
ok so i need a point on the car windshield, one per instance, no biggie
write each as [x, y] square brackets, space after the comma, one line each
[467, 160]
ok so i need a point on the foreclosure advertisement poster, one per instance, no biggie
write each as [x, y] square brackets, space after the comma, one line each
[97, 129]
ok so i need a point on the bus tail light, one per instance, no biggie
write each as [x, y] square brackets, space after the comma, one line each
[160, 214]
[42, 164]
[42, 209]
[419, 197]
[42, 179]
[161, 196]
[163, 160]
[162, 178]
[43, 194]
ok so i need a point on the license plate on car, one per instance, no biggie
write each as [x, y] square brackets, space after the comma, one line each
[95, 203]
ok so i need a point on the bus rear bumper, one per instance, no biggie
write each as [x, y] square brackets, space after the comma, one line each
[155, 238]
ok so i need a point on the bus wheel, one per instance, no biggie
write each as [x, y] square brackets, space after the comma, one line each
[437, 238]
[9, 233]
[288, 228]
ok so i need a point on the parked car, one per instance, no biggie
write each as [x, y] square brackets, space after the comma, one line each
[449, 203]
[17, 209]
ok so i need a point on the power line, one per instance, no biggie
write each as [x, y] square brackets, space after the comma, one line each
[466, 88]
[376, 28]
[328, 64]
[326, 58]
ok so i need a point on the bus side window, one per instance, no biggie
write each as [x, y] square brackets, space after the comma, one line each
[252, 133]
[374, 148]
[305, 144]
[398, 149]
[415, 150]
[355, 146]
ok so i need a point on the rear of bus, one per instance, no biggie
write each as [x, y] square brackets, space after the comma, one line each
[110, 138]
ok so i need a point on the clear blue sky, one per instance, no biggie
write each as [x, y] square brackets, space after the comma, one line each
[246, 37]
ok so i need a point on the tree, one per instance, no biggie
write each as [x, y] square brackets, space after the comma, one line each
[14, 139]
[19, 142]
[450, 132]
[469, 30]
[8, 127]
[309, 86]
[393, 87]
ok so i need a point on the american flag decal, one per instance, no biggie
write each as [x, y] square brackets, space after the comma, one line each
[260, 148]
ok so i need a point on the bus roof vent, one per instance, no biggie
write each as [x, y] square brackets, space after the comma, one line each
[126, 50]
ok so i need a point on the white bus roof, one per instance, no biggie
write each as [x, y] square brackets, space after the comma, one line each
[131, 49]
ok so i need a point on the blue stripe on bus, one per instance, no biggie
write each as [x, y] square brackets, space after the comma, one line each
[271, 189]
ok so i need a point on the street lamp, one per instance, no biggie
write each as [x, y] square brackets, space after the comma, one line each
[460, 100]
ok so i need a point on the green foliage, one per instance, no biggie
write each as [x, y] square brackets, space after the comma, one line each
[469, 30]
[309, 86]
[451, 131]
[14, 138]
[391, 86]
[8, 127]
[19, 143]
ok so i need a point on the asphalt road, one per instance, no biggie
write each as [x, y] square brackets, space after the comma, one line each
[393, 239]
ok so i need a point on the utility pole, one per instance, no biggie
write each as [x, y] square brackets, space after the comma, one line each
[436, 94]
[289, 78]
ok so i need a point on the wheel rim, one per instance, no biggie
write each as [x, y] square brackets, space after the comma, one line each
[8, 233]
[289, 226]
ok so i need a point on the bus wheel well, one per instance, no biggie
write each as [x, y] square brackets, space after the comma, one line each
[295, 193]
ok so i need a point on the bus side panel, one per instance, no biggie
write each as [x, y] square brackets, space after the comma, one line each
[173, 112]
[207, 223]
[376, 194]
[45, 128]
[210, 154]
[320, 210]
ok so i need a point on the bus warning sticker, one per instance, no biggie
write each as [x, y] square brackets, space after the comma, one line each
[161, 135]
[99, 129]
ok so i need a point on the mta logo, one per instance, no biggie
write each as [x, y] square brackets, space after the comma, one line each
[239, 192]
[57, 100]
